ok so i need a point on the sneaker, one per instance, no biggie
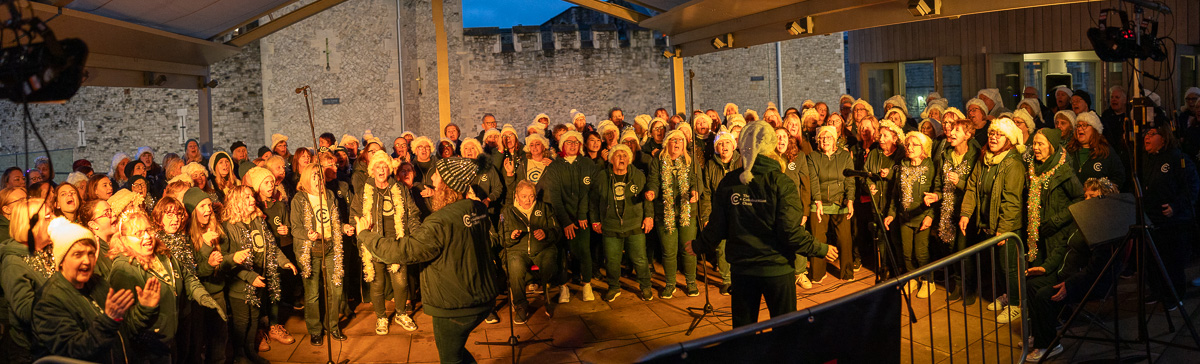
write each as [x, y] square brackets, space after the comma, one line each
[1009, 314]
[492, 318]
[647, 294]
[927, 288]
[725, 289]
[520, 315]
[693, 290]
[667, 294]
[1036, 355]
[406, 322]
[818, 281]
[999, 303]
[588, 296]
[381, 326]
[803, 281]
[280, 334]
[911, 286]
[564, 294]
[856, 266]
[611, 294]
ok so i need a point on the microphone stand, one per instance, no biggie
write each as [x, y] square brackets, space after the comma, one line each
[883, 235]
[321, 202]
[514, 340]
[707, 309]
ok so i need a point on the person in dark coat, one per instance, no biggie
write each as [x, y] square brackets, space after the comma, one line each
[529, 236]
[1169, 190]
[459, 285]
[723, 161]
[621, 215]
[758, 214]
[1090, 154]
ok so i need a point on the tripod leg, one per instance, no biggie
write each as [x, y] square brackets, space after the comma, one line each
[1187, 320]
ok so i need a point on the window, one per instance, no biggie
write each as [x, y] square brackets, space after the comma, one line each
[1084, 78]
[919, 81]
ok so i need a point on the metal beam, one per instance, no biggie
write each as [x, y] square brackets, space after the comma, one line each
[780, 15]
[871, 16]
[282, 22]
[611, 9]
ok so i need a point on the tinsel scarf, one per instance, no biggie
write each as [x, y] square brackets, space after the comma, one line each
[181, 249]
[306, 246]
[370, 213]
[946, 224]
[270, 271]
[675, 180]
[1037, 184]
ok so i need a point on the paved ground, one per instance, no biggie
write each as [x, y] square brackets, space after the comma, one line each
[627, 328]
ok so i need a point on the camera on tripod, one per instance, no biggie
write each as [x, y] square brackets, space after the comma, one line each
[1127, 40]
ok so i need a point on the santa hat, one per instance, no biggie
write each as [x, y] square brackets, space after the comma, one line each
[255, 177]
[866, 105]
[1092, 119]
[1033, 105]
[620, 148]
[889, 125]
[121, 199]
[1009, 129]
[756, 138]
[933, 106]
[276, 139]
[992, 94]
[461, 147]
[536, 138]
[1023, 116]
[457, 173]
[895, 110]
[955, 111]
[926, 143]
[568, 135]
[540, 117]
[897, 101]
[419, 141]
[117, 158]
[702, 119]
[977, 103]
[64, 234]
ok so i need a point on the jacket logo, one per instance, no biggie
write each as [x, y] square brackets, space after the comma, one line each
[470, 220]
[587, 180]
[792, 166]
[537, 213]
[277, 220]
[257, 241]
[741, 199]
[1097, 167]
[633, 188]
[323, 216]
[483, 178]
[1166, 168]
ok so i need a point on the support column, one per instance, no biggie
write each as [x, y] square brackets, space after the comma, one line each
[677, 74]
[443, 67]
[204, 103]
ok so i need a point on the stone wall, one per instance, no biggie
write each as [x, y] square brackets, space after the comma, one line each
[122, 119]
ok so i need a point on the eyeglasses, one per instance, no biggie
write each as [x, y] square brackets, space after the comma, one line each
[108, 213]
[571, 142]
[994, 134]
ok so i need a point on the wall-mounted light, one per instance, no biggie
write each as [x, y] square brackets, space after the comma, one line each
[924, 7]
[802, 26]
[725, 41]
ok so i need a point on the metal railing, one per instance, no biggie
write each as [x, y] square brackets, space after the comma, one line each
[968, 334]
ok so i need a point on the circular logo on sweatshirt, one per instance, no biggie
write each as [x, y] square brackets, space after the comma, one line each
[323, 216]
[633, 188]
[1166, 167]
[467, 220]
[1097, 166]
[257, 241]
[792, 166]
[735, 199]
[388, 206]
[277, 220]
[534, 176]
[587, 180]
[537, 213]
[483, 178]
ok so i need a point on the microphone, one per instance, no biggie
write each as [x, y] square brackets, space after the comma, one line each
[860, 174]
[302, 89]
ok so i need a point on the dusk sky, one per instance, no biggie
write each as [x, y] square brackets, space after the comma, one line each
[507, 13]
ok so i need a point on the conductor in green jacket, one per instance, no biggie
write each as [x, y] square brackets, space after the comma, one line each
[757, 211]
[459, 285]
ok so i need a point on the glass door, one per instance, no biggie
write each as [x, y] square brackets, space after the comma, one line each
[1004, 73]
[879, 81]
[949, 79]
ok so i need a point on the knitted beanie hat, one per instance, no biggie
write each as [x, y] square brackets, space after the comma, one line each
[955, 111]
[642, 120]
[121, 199]
[64, 234]
[889, 125]
[192, 198]
[465, 143]
[992, 94]
[243, 168]
[538, 138]
[978, 103]
[255, 176]
[1066, 114]
[1093, 120]
[1065, 90]
[702, 119]
[217, 157]
[756, 137]
[1009, 129]
[193, 167]
[897, 101]
[866, 105]
[276, 139]
[457, 173]
[1022, 116]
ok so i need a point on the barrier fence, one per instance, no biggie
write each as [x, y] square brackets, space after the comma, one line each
[884, 324]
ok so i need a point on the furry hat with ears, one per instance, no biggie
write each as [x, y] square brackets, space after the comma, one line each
[1092, 119]
[898, 101]
[994, 95]
[756, 138]
[977, 103]
[1007, 127]
[64, 234]
[568, 135]
[866, 105]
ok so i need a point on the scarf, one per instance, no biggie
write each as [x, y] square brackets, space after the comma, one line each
[910, 175]
[181, 249]
[1040, 175]
[269, 249]
[398, 213]
[527, 212]
[42, 262]
[946, 222]
[675, 181]
[307, 245]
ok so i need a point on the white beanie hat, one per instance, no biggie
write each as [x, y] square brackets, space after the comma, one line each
[756, 137]
[1068, 113]
[1024, 117]
[898, 101]
[926, 143]
[142, 150]
[422, 140]
[255, 177]
[994, 95]
[1033, 105]
[724, 134]
[1064, 89]
[702, 119]
[643, 120]
[977, 102]
[536, 138]
[1091, 119]
[628, 134]
[465, 143]
[620, 148]
[346, 139]
[377, 158]
[931, 106]
[64, 234]
[540, 117]
[276, 139]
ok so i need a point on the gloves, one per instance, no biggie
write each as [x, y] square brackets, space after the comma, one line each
[204, 299]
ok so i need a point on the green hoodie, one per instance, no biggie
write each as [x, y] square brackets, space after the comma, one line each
[609, 193]
[760, 222]
[20, 283]
[71, 322]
